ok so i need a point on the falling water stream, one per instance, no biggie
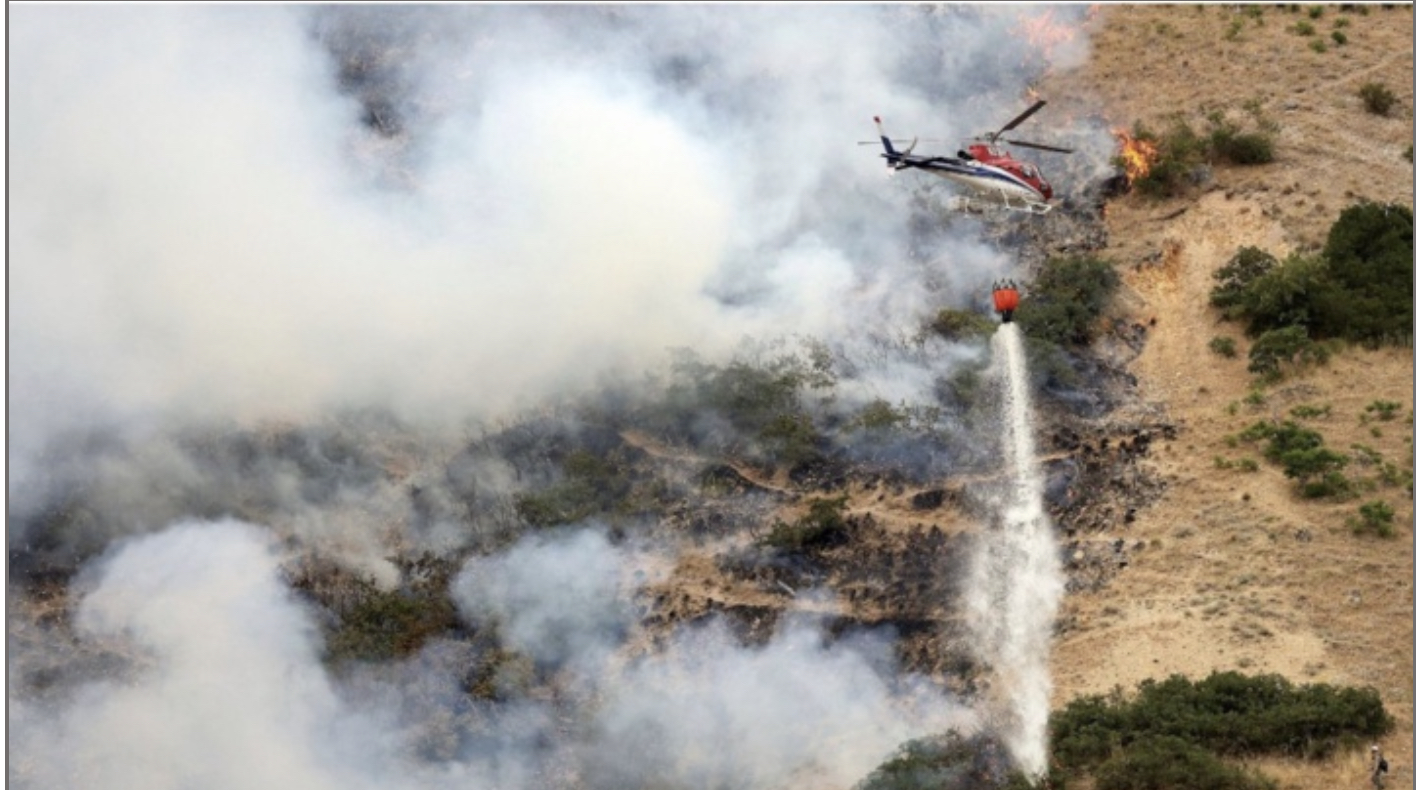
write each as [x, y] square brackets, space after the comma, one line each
[1016, 580]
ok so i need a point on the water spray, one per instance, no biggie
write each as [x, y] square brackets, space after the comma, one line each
[1015, 583]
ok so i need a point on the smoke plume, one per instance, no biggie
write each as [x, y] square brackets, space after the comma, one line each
[273, 269]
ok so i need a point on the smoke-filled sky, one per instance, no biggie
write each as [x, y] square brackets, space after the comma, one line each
[206, 229]
[201, 225]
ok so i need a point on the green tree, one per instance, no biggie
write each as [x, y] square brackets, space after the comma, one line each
[1288, 295]
[1369, 254]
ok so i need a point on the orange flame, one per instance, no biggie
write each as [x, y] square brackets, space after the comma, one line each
[1136, 156]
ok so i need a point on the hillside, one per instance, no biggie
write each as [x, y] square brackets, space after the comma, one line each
[1238, 572]
[411, 496]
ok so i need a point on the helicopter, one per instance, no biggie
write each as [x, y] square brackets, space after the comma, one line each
[995, 178]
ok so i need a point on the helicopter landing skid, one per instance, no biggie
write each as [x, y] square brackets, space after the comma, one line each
[999, 203]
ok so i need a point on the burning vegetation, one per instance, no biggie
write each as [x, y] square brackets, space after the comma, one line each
[1163, 163]
[1136, 156]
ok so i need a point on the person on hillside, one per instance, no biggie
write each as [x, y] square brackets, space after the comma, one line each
[1379, 767]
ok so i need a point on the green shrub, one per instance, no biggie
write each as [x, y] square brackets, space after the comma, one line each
[1242, 148]
[590, 485]
[1311, 462]
[1226, 713]
[962, 325]
[1065, 300]
[1279, 347]
[376, 625]
[1315, 11]
[1283, 438]
[1339, 38]
[1178, 151]
[1233, 280]
[1223, 346]
[1306, 412]
[1302, 28]
[791, 439]
[1341, 22]
[1165, 762]
[1292, 294]
[1318, 45]
[1385, 410]
[824, 525]
[754, 403]
[1376, 97]
[1375, 517]
[879, 415]
[949, 762]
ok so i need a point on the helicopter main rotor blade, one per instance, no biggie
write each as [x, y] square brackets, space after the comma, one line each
[1026, 114]
[1039, 146]
[894, 140]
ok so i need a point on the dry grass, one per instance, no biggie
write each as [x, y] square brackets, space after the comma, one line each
[1239, 573]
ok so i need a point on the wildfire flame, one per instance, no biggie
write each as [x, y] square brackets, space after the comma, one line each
[1136, 156]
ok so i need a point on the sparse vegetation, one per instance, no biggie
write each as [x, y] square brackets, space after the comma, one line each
[1384, 410]
[1223, 346]
[1316, 469]
[1374, 517]
[1307, 412]
[1302, 28]
[1376, 97]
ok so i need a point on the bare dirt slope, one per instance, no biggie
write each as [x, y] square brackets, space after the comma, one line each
[1238, 572]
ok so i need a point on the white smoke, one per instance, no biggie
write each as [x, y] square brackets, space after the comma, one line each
[705, 711]
[223, 687]
[559, 600]
[204, 233]
[226, 691]
[1016, 582]
[194, 236]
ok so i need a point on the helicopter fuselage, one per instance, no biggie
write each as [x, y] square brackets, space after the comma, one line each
[980, 166]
